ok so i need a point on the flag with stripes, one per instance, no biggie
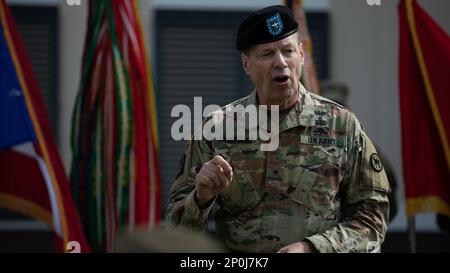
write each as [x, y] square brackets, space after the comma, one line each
[309, 74]
[425, 112]
[32, 178]
[115, 171]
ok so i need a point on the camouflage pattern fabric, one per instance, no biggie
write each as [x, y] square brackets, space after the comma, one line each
[324, 183]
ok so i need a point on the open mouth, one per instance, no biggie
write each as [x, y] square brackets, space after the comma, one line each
[281, 79]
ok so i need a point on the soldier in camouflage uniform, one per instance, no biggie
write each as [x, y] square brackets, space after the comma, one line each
[323, 189]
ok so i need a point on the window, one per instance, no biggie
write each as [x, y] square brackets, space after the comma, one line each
[38, 29]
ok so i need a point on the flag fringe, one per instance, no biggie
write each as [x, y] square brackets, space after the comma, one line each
[426, 204]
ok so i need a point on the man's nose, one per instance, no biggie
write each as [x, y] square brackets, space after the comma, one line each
[279, 61]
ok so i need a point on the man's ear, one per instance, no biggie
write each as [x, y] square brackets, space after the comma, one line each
[301, 53]
[245, 63]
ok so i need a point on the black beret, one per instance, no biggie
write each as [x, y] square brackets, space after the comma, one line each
[266, 25]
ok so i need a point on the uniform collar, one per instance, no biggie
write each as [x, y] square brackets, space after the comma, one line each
[302, 114]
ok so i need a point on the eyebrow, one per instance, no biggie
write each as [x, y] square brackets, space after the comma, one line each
[264, 50]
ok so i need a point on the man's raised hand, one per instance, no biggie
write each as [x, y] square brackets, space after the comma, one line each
[214, 176]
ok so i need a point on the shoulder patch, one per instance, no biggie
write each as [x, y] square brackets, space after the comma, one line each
[376, 162]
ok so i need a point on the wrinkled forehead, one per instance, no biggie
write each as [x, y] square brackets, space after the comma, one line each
[291, 40]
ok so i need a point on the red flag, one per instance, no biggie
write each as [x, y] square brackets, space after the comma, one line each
[424, 100]
[32, 178]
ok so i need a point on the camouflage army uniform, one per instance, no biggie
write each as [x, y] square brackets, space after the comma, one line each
[324, 183]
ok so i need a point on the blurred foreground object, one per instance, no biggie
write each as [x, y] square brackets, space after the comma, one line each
[443, 222]
[167, 240]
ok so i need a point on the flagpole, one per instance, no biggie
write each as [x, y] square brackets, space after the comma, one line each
[309, 74]
[412, 233]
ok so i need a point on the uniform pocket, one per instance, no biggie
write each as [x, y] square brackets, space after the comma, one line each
[317, 188]
[321, 211]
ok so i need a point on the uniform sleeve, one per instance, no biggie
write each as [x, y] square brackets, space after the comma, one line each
[365, 204]
[182, 208]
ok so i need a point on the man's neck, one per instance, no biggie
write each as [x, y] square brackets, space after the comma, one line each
[283, 105]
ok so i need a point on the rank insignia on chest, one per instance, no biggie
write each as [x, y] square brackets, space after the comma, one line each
[320, 121]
